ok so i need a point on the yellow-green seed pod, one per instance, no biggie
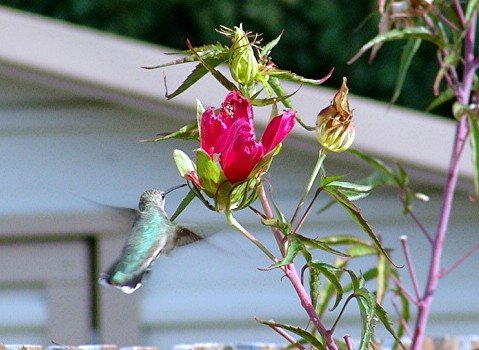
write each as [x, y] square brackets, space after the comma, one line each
[334, 125]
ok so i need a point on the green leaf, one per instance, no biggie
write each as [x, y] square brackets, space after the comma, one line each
[314, 283]
[350, 190]
[330, 272]
[376, 163]
[329, 290]
[355, 213]
[318, 244]
[405, 315]
[384, 318]
[408, 54]
[367, 307]
[206, 51]
[382, 279]
[187, 132]
[445, 96]
[266, 50]
[196, 74]
[293, 77]
[358, 247]
[398, 34]
[471, 7]
[279, 91]
[474, 127]
[184, 203]
[294, 247]
[366, 276]
[310, 338]
[210, 64]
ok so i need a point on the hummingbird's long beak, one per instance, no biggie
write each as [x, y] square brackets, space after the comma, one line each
[174, 188]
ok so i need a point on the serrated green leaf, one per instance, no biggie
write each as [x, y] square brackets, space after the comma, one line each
[266, 50]
[355, 213]
[376, 163]
[471, 7]
[196, 74]
[293, 77]
[318, 244]
[209, 63]
[294, 247]
[213, 50]
[404, 314]
[328, 290]
[283, 226]
[326, 180]
[351, 190]
[474, 128]
[382, 279]
[445, 96]
[366, 302]
[403, 177]
[187, 132]
[398, 34]
[344, 240]
[408, 53]
[261, 102]
[330, 272]
[314, 282]
[184, 203]
[358, 251]
[355, 281]
[310, 338]
[366, 276]
[382, 315]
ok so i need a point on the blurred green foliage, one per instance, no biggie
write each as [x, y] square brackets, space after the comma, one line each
[318, 35]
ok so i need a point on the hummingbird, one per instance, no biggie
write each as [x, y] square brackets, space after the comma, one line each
[152, 234]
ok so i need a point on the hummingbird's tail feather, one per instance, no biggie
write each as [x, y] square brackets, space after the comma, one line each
[126, 282]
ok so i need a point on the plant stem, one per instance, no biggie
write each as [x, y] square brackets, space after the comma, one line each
[304, 298]
[459, 261]
[463, 96]
[314, 174]
[232, 221]
[410, 266]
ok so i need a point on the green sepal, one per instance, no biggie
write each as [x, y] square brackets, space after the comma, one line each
[184, 164]
[209, 173]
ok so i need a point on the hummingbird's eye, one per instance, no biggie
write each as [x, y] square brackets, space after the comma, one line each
[163, 195]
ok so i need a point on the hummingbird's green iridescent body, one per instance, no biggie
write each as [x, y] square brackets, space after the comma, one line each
[152, 234]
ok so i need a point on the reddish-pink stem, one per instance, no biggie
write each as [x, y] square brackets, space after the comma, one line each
[463, 96]
[459, 261]
[349, 342]
[304, 298]
[410, 266]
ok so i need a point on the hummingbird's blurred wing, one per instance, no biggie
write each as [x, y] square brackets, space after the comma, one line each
[185, 236]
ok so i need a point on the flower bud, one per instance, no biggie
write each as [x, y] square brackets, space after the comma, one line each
[334, 126]
[243, 63]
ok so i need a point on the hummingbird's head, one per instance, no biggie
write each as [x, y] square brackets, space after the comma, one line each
[152, 197]
[155, 197]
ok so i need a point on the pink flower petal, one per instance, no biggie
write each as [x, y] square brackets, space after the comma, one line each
[278, 128]
[240, 152]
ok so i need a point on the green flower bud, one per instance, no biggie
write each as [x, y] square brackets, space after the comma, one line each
[243, 63]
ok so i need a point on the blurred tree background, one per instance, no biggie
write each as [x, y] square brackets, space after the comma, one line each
[318, 35]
